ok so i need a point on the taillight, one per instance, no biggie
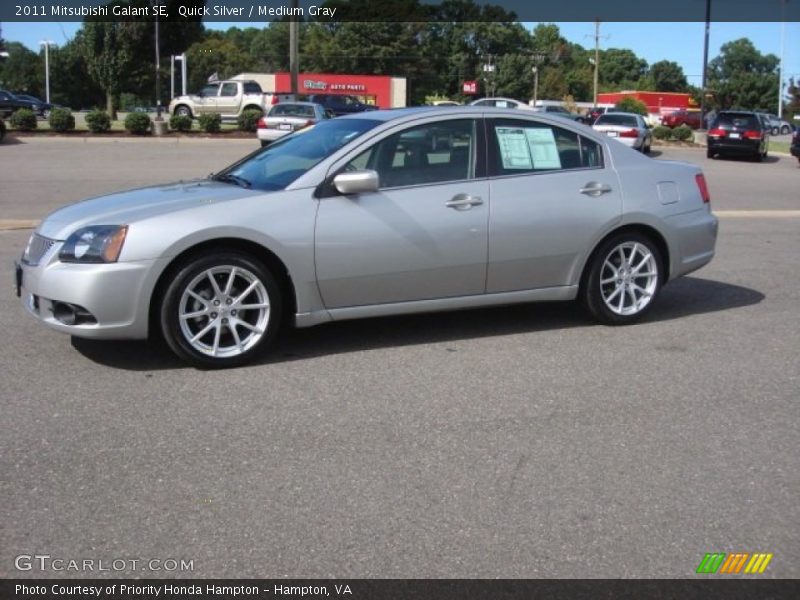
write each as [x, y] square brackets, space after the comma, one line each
[631, 133]
[308, 123]
[703, 187]
[717, 133]
[752, 135]
[261, 124]
[275, 100]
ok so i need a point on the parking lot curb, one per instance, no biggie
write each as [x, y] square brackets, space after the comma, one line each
[14, 224]
[34, 139]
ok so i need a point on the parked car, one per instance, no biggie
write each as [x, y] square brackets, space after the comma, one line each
[742, 133]
[560, 111]
[9, 104]
[682, 117]
[229, 99]
[779, 126]
[40, 107]
[341, 104]
[628, 128]
[360, 217]
[288, 117]
[2, 129]
[795, 147]
[500, 103]
[595, 112]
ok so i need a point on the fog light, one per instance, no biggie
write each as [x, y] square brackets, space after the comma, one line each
[72, 314]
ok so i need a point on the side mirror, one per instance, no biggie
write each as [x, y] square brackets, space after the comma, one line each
[356, 182]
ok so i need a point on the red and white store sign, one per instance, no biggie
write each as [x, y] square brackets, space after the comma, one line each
[470, 87]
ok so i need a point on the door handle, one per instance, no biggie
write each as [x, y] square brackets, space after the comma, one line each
[463, 202]
[593, 188]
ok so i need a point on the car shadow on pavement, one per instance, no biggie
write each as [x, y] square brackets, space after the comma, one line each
[681, 298]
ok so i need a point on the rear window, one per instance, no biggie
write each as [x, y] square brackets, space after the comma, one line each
[615, 119]
[292, 110]
[740, 120]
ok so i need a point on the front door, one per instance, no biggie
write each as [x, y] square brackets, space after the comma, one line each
[422, 235]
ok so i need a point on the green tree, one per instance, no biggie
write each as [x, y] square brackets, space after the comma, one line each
[217, 55]
[668, 76]
[621, 68]
[742, 77]
[22, 71]
[109, 49]
[70, 83]
[631, 105]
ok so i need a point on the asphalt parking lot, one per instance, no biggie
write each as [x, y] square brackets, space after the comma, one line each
[516, 442]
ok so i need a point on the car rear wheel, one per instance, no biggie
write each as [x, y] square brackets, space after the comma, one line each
[623, 279]
[221, 309]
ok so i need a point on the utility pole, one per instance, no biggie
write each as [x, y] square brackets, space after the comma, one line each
[780, 70]
[596, 58]
[538, 57]
[705, 68]
[294, 68]
[158, 70]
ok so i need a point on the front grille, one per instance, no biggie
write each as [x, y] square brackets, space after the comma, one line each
[37, 247]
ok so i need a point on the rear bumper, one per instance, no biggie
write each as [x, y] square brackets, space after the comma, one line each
[696, 235]
[270, 135]
[729, 146]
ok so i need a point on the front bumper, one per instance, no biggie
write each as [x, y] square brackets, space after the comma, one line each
[116, 296]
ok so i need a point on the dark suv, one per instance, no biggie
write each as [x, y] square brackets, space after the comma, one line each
[737, 132]
[341, 104]
[795, 148]
[9, 103]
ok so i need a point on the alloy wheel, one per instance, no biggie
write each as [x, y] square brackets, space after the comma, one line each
[628, 278]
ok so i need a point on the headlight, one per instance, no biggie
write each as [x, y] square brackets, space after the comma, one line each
[95, 244]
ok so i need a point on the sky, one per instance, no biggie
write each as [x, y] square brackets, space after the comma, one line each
[678, 42]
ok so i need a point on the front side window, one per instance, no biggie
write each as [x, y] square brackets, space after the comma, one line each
[210, 90]
[280, 163]
[518, 147]
[431, 153]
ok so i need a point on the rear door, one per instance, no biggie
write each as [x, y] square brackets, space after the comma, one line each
[229, 100]
[552, 194]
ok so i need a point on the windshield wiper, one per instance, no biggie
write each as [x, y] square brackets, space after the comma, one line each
[231, 178]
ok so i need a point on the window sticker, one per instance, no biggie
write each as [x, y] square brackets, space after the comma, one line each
[514, 148]
[528, 148]
[542, 144]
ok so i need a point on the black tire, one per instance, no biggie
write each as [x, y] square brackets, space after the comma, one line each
[183, 110]
[2, 130]
[709, 153]
[193, 274]
[785, 130]
[594, 294]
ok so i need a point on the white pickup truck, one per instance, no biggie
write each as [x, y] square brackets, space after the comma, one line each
[229, 99]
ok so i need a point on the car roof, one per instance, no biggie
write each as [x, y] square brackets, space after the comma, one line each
[624, 114]
[297, 102]
[396, 114]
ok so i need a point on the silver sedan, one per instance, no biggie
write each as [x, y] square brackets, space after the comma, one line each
[287, 117]
[383, 213]
[628, 128]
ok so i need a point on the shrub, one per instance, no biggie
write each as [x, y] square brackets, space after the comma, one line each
[138, 123]
[660, 132]
[61, 120]
[180, 122]
[210, 122]
[248, 120]
[631, 105]
[98, 121]
[24, 119]
[682, 133]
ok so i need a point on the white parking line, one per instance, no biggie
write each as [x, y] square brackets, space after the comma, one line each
[757, 214]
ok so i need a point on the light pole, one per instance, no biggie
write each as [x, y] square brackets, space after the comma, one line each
[182, 58]
[47, 44]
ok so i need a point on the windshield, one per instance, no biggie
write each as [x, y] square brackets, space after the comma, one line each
[281, 163]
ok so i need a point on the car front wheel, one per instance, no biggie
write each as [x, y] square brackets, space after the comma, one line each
[623, 279]
[221, 310]
[183, 111]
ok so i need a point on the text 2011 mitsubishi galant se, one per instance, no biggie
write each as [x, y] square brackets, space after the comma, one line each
[383, 213]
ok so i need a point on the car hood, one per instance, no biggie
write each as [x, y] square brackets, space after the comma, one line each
[127, 207]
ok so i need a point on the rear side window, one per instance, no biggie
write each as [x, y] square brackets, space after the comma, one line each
[518, 147]
[251, 87]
